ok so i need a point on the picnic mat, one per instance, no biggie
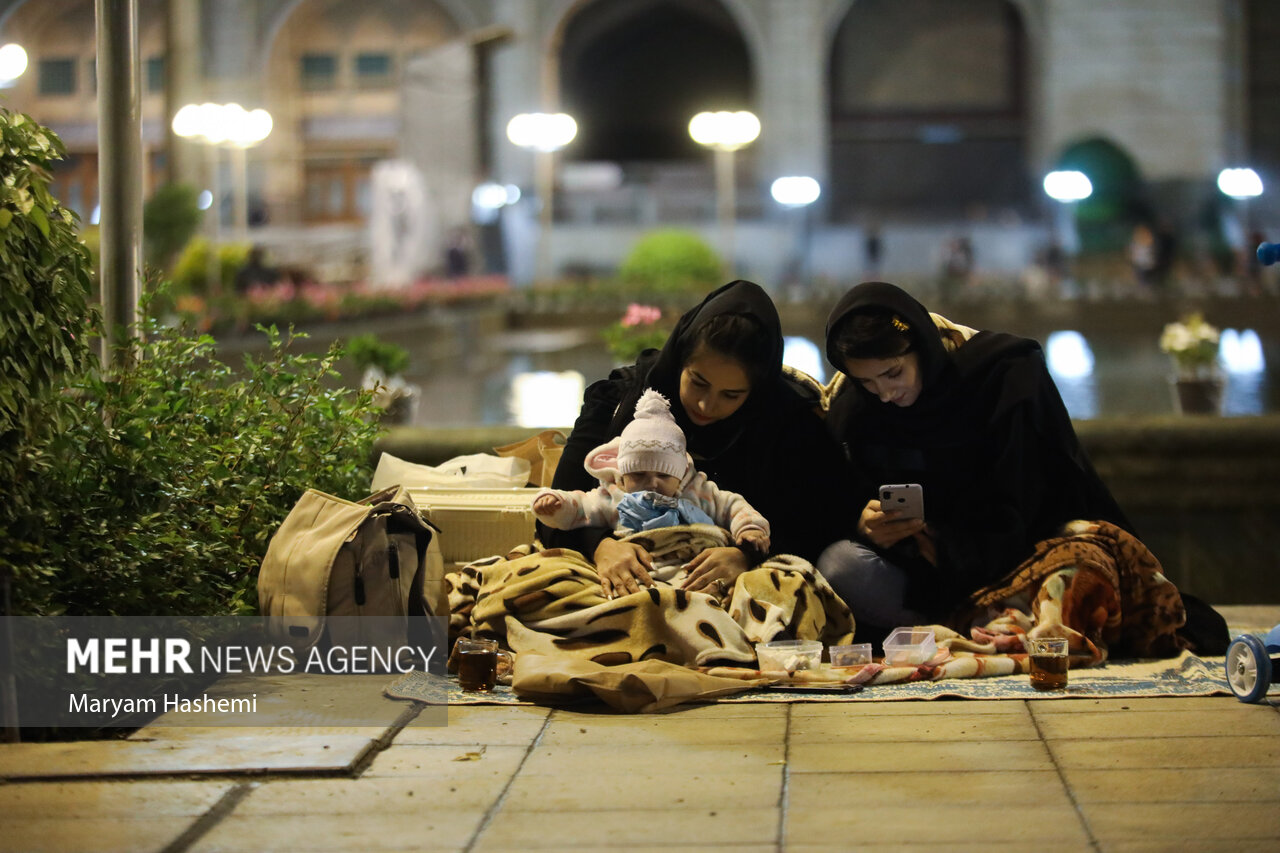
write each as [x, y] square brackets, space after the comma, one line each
[1185, 675]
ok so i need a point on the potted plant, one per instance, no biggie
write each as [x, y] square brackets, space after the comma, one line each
[639, 329]
[1192, 345]
[383, 364]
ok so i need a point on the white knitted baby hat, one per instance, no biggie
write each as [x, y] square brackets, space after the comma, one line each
[653, 441]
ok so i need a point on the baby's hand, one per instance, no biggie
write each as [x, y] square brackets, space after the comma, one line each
[547, 504]
[756, 539]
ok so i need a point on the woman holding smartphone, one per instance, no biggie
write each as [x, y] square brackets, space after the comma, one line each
[971, 418]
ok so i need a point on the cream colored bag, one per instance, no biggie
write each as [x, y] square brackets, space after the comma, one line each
[343, 573]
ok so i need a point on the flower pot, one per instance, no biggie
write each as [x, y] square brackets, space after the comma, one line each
[1198, 396]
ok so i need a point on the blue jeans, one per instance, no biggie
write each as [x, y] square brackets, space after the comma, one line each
[872, 586]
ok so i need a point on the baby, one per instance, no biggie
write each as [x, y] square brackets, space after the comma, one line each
[647, 481]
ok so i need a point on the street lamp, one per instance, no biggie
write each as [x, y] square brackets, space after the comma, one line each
[725, 132]
[798, 192]
[238, 129]
[1067, 187]
[13, 61]
[543, 134]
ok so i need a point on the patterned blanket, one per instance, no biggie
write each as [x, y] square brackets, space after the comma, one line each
[549, 602]
[1096, 585]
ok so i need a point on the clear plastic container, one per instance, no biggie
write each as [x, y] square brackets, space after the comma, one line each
[857, 654]
[789, 655]
[909, 646]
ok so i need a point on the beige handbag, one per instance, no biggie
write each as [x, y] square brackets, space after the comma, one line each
[343, 573]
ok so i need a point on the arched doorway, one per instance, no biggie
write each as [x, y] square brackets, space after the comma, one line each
[635, 71]
[928, 110]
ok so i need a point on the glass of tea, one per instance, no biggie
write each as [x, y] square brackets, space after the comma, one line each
[477, 664]
[1048, 663]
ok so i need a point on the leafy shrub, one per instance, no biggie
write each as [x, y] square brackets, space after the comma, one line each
[169, 219]
[166, 477]
[46, 317]
[191, 270]
[151, 487]
[369, 351]
[671, 260]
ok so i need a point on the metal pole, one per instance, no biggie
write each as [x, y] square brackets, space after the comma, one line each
[213, 266]
[240, 188]
[725, 204]
[544, 168]
[119, 170]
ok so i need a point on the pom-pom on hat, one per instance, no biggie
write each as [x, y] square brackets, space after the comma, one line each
[653, 441]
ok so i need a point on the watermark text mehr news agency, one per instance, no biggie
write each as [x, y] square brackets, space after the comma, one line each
[172, 655]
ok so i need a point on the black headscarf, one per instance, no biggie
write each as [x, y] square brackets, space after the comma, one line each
[990, 397]
[961, 390]
[739, 297]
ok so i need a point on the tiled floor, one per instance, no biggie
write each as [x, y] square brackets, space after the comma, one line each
[1119, 775]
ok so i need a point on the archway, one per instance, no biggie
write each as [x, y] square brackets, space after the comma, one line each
[635, 71]
[928, 110]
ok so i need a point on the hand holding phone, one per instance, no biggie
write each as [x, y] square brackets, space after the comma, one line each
[907, 499]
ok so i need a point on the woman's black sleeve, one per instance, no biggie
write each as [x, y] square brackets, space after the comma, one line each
[589, 431]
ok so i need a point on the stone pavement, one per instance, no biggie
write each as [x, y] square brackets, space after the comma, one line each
[1051, 775]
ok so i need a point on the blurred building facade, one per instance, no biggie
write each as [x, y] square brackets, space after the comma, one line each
[916, 117]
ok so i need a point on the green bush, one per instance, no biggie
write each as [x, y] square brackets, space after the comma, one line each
[47, 322]
[166, 477]
[153, 486]
[169, 220]
[369, 351]
[191, 270]
[671, 261]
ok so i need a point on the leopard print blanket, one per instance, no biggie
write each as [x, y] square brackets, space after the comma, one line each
[549, 602]
[1095, 584]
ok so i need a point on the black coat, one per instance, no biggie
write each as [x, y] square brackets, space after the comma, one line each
[988, 438]
[774, 451]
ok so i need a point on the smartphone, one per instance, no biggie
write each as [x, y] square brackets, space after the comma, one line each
[906, 498]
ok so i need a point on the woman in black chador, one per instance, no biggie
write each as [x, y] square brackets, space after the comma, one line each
[974, 418]
[749, 427]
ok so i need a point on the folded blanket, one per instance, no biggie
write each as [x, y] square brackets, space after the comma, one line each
[549, 602]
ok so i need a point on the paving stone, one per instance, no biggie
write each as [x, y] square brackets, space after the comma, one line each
[672, 828]
[476, 724]
[1189, 752]
[1184, 704]
[301, 699]
[411, 794]
[122, 798]
[869, 790]
[1168, 724]
[1184, 785]
[456, 762]
[225, 752]
[113, 834]
[631, 759]
[707, 788]
[908, 708]
[1183, 824]
[433, 828]
[1202, 845]
[929, 727]
[942, 825]
[700, 730]
[939, 757]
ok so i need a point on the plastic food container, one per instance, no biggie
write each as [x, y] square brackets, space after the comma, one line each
[857, 654]
[789, 655]
[908, 646]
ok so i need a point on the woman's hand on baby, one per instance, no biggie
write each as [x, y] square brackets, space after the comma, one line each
[623, 567]
[547, 505]
[886, 529]
[715, 570]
